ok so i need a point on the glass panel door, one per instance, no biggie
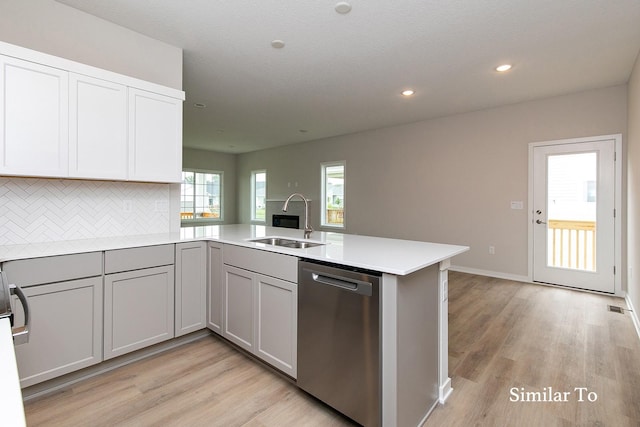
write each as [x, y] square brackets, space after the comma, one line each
[573, 214]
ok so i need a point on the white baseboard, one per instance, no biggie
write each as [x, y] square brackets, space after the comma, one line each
[524, 279]
[634, 314]
[488, 273]
[445, 391]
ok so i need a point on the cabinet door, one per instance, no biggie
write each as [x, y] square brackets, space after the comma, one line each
[238, 307]
[155, 137]
[34, 122]
[215, 286]
[138, 309]
[66, 329]
[277, 323]
[191, 287]
[98, 129]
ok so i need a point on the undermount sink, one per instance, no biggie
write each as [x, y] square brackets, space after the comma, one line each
[286, 243]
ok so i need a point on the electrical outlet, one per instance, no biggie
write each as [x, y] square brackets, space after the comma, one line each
[127, 206]
[492, 250]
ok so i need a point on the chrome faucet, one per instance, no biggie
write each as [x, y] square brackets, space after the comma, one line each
[307, 227]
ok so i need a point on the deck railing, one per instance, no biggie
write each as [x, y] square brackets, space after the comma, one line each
[335, 216]
[572, 244]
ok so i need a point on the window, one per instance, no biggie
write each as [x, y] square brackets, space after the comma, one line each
[201, 196]
[258, 195]
[333, 200]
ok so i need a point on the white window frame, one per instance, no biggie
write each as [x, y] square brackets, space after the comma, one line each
[323, 197]
[194, 219]
[253, 196]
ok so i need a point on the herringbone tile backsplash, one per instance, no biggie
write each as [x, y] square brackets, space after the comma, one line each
[36, 210]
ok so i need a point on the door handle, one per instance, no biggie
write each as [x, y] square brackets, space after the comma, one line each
[540, 222]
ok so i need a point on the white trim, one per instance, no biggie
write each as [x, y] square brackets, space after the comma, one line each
[252, 205]
[444, 381]
[323, 195]
[618, 203]
[389, 348]
[634, 314]
[445, 391]
[206, 220]
[424, 419]
[523, 279]
[489, 273]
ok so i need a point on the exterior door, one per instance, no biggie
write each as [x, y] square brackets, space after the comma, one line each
[574, 187]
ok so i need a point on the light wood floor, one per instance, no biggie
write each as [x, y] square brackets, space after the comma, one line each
[502, 334]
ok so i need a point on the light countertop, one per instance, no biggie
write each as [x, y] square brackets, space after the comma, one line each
[393, 256]
[10, 394]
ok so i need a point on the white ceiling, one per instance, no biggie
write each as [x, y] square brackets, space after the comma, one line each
[339, 74]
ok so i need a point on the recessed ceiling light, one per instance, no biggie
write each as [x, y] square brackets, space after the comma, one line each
[343, 7]
[200, 105]
[278, 44]
[504, 67]
[408, 92]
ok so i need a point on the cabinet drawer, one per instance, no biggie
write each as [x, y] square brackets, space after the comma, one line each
[269, 263]
[38, 271]
[137, 258]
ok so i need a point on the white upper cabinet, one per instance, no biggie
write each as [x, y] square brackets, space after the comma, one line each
[34, 121]
[98, 128]
[59, 118]
[155, 137]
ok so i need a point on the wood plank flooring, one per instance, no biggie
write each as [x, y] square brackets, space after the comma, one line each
[505, 334]
[502, 334]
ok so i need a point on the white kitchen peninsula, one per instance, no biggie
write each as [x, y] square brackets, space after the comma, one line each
[414, 324]
[414, 342]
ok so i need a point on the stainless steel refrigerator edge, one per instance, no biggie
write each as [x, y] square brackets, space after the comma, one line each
[339, 339]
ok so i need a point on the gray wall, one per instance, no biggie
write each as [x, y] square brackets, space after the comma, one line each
[633, 189]
[218, 162]
[57, 29]
[445, 180]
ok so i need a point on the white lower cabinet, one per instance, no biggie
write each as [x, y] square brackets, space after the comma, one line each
[65, 308]
[215, 284]
[239, 307]
[260, 316]
[66, 329]
[191, 287]
[276, 323]
[138, 309]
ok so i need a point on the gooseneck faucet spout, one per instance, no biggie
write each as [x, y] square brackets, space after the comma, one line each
[307, 226]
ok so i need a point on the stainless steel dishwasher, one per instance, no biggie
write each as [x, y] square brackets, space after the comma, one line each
[339, 338]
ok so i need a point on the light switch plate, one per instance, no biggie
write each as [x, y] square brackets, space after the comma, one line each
[517, 204]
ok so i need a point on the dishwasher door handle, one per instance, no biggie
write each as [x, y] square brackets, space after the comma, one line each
[355, 286]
